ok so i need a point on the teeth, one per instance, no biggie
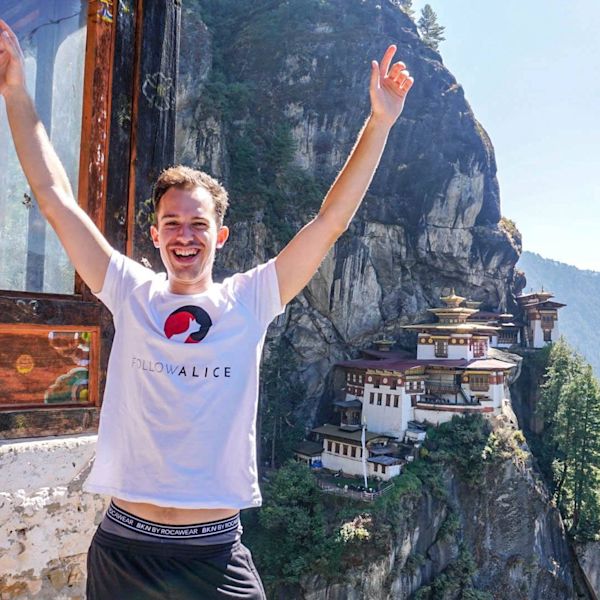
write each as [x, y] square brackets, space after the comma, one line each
[190, 252]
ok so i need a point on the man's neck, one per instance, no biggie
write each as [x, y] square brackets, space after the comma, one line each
[187, 288]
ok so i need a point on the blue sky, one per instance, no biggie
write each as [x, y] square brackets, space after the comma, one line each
[531, 72]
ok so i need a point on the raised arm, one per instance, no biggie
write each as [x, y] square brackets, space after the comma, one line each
[86, 246]
[299, 260]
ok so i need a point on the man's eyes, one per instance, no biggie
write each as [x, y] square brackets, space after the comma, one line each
[195, 224]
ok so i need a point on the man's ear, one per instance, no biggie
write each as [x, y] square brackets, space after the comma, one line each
[222, 236]
[154, 235]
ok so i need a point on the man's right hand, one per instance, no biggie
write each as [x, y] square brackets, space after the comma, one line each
[12, 68]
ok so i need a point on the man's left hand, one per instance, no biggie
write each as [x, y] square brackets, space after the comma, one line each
[388, 88]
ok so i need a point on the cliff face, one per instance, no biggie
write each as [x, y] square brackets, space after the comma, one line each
[271, 98]
[513, 534]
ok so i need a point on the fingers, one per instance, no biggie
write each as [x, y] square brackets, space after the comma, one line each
[396, 69]
[374, 84]
[406, 85]
[11, 43]
[387, 60]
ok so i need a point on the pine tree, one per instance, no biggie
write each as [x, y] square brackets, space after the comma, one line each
[563, 366]
[281, 394]
[570, 406]
[429, 28]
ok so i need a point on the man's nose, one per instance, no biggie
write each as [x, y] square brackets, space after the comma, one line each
[186, 231]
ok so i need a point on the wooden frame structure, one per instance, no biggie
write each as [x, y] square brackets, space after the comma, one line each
[127, 138]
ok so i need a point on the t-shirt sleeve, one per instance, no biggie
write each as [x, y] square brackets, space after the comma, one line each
[258, 290]
[122, 277]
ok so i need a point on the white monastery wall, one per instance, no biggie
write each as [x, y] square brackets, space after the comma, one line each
[458, 351]
[538, 335]
[354, 466]
[46, 521]
[433, 416]
[425, 352]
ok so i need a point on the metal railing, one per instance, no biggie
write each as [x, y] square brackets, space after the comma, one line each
[348, 493]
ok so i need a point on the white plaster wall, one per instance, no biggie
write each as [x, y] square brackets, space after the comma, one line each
[349, 465]
[408, 412]
[497, 394]
[458, 351]
[386, 419]
[538, 335]
[434, 417]
[425, 351]
[354, 466]
[46, 521]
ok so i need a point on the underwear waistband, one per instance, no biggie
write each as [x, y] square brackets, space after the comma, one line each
[172, 532]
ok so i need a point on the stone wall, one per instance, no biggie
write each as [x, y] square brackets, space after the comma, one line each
[46, 521]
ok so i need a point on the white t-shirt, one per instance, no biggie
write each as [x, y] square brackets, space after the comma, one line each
[178, 421]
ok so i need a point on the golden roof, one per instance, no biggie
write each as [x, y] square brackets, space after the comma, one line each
[452, 300]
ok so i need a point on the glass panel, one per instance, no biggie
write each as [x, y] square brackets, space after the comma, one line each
[44, 367]
[52, 35]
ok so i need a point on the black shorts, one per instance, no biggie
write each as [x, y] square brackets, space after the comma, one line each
[125, 569]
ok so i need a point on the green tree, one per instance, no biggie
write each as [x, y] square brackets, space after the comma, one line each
[570, 406]
[429, 28]
[293, 515]
[563, 365]
[282, 393]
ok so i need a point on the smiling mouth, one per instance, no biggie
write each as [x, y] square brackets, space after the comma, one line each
[186, 254]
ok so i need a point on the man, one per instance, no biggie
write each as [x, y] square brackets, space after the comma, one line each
[176, 445]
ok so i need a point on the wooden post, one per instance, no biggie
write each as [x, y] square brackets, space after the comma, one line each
[153, 118]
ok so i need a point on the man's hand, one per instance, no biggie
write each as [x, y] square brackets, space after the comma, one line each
[12, 71]
[388, 88]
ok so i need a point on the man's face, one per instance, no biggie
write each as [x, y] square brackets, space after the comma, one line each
[187, 235]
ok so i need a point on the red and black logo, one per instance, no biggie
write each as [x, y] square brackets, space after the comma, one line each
[188, 324]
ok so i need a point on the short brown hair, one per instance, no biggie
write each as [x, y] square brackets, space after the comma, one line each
[185, 178]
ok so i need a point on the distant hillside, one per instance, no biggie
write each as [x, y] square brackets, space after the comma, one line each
[579, 322]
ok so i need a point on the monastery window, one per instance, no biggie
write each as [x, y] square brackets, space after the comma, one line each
[353, 451]
[547, 321]
[393, 383]
[329, 445]
[388, 399]
[479, 383]
[348, 376]
[376, 381]
[360, 379]
[337, 447]
[441, 348]
[413, 400]
[371, 397]
[379, 398]
[479, 348]
[395, 400]
[507, 337]
[383, 469]
[375, 467]
[547, 335]
[345, 449]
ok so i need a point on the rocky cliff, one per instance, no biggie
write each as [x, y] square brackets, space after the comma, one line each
[494, 535]
[271, 98]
